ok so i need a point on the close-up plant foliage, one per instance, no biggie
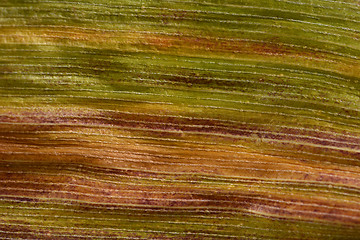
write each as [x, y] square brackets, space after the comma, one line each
[169, 119]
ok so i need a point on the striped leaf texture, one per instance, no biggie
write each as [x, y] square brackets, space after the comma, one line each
[179, 119]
